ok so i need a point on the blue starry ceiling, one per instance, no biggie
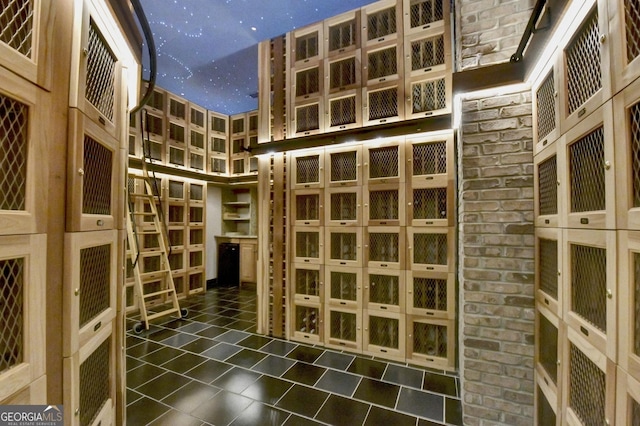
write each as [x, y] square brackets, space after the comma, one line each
[207, 50]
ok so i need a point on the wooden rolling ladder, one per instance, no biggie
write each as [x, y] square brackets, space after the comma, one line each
[148, 244]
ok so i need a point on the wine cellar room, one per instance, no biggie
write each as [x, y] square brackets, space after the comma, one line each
[420, 212]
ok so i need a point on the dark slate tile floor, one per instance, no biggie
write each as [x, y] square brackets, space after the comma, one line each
[211, 368]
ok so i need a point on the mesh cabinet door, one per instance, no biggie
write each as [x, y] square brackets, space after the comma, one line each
[93, 172]
[384, 334]
[427, 53]
[23, 165]
[425, 15]
[431, 342]
[384, 247]
[343, 328]
[546, 108]
[381, 22]
[431, 249]
[23, 39]
[307, 169]
[90, 286]
[629, 308]
[306, 45]
[428, 96]
[343, 246]
[307, 207]
[308, 283]
[384, 205]
[383, 104]
[344, 206]
[430, 159]
[22, 324]
[549, 206]
[343, 287]
[384, 290]
[549, 263]
[90, 374]
[384, 162]
[431, 294]
[306, 323]
[625, 49]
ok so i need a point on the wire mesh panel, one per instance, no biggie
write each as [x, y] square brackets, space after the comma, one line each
[384, 290]
[383, 104]
[218, 165]
[95, 282]
[176, 133]
[343, 111]
[342, 35]
[307, 244]
[156, 101]
[430, 249]
[14, 143]
[344, 246]
[343, 74]
[307, 46]
[429, 204]
[384, 331]
[427, 53]
[384, 162]
[384, 247]
[308, 82]
[218, 124]
[429, 96]
[95, 382]
[307, 169]
[425, 12]
[176, 214]
[307, 283]
[176, 189]
[343, 166]
[429, 294]
[238, 166]
[101, 73]
[546, 106]
[586, 172]
[237, 125]
[381, 24]
[196, 192]
[430, 339]
[308, 118]
[196, 258]
[384, 205]
[12, 283]
[343, 326]
[343, 207]
[632, 29]
[176, 156]
[154, 128]
[547, 347]
[545, 413]
[548, 187]
[197, 117]
[196, 140]
[382, 63]
[587, 388]
[583, 64]
[197, 282]
[343, 287]
[548, 266]
[98, 167]
[196, 236]
[196, 215]
[589, 284]
[218, 145]
[17, 26]
[307, 207]
[306, 320]
[176, 260]
[633, 117]
[177, 108]
[429, 158]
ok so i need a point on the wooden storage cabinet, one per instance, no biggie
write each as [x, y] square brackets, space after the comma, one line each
[307, 207]
[431, 342]
[585, 65]
[306, 322]
[430, 159]
[97, 83]
[343, 287]
[588, 376]
[307, 169]
[342, 33]
[381, 22]
[343, 246]
[345, 166]
[384, 205]
[384, 162]
[428, 95]
[383, 104]
[589, 297]
[307, 283]
[423, 15]
[430, 206]
[589, 172]
[93, 170]
[90, 393]
[431, 249]
[384, 290]
[344, 206]
[431, 294]
[22, 325]
[24, 46]
[308, 244]
[384, 334]
[548, 187]
[343, 111]
[546, 108]
[384, 247]
[624, 20]
[550, 281]
[343, 328]
[306, 45]
[382, 64]
[626, 115]
[90, 287]
[23, 202]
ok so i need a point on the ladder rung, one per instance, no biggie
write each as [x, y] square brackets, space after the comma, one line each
[157, 293]
[158, 250]
[140, 195]
[144, 214]
[148, 232]
[153, 274]
[163, 313]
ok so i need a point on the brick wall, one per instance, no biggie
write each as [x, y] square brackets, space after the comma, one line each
[489, 30]
[496, 255]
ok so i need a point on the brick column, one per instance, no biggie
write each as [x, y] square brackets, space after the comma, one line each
[496, 260]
